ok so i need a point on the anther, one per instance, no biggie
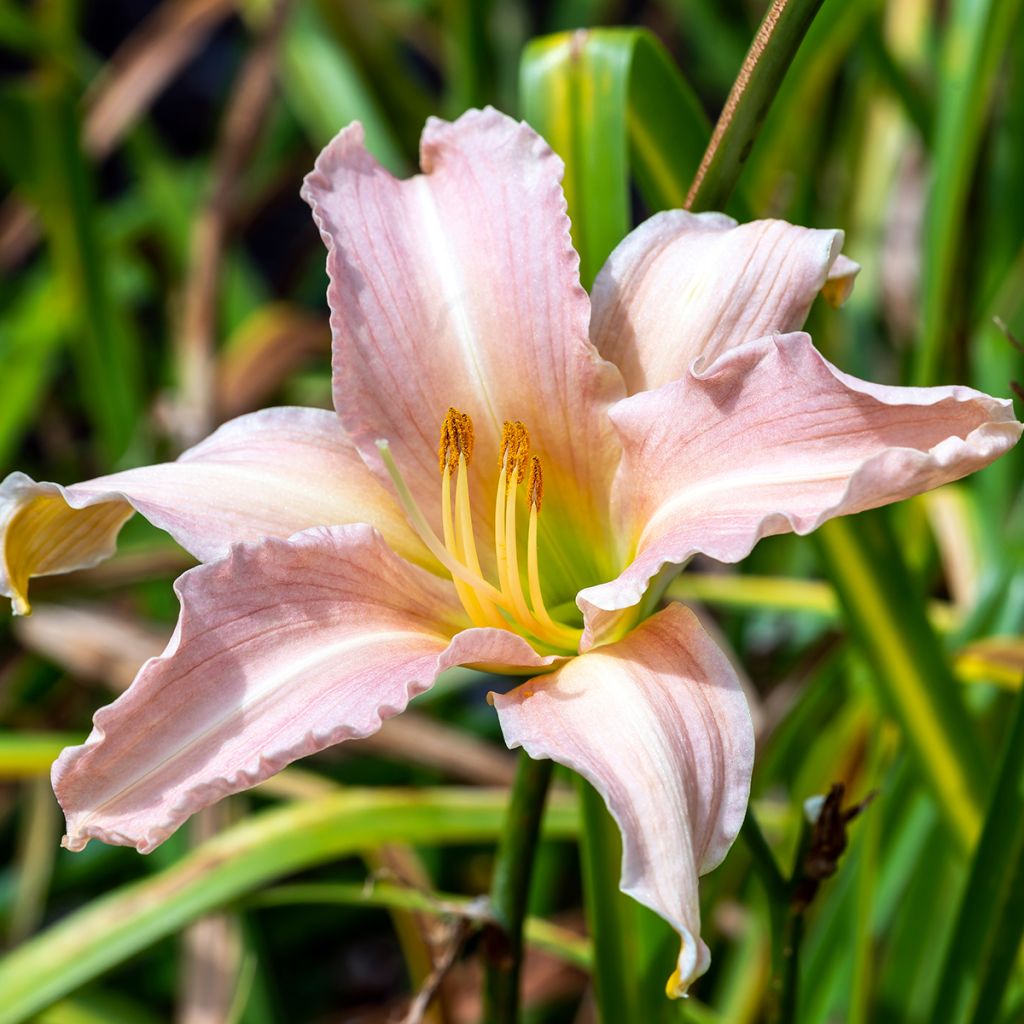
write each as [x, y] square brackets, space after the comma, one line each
[535, 488]
[456, 440]
[515, 450]
[522, 454]
[465, 434]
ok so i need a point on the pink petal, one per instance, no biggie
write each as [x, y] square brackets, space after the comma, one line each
[282, 648]
[658, 723]
[270, 473]
[771, 438]
[683, 285]
[460, 287]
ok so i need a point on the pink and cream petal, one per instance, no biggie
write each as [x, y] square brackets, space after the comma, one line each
[460, 287]
[683, 285]
[658, 724]
[282, 648]
[772, 438]
[270, 473]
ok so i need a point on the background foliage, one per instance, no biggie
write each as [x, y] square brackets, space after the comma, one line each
[160, 275]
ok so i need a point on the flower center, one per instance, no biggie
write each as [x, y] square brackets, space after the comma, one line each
[504, 605]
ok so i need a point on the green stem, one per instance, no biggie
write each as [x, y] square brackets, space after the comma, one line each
[786, 919]
[792, 936]
[540, 934]
[777, 40]
[764, 860]
[608, 910]
[510, 888]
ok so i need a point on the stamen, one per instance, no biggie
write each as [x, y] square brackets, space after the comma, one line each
[456, 439]
[485, 605]
[535, 491]
[464, 519]
[515, 585]
[500, 553]
[423, 529]
[473, 605]
[515, 447]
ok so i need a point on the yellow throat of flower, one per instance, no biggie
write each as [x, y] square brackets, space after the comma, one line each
[505, 605]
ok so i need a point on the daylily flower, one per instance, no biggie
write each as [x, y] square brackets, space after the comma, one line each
[589, 446]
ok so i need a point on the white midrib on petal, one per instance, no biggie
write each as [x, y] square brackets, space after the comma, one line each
[253, 696]
[453, 289]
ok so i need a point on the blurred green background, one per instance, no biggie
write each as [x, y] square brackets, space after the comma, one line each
[159, 274]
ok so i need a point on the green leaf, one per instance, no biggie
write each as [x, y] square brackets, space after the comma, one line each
[783, 140]
[910, 671]
[33, 330]
[471, 62]
[975, 42]
[989, 924]
[106, 355]
[777, 40]
[326, 91]
[266, 846]
[611, 102]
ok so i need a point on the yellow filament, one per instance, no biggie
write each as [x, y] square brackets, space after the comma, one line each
[535, 495]
[423, 529]
[467, 595]
[515, 584]
[500, 551]
[533, 573]
[541, 624]
[467, 541]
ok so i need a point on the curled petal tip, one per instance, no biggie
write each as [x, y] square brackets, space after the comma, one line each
[75, 844]
[839, 283]
[694, 960]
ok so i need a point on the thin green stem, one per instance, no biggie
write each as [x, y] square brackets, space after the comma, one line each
[608, 910]
[764, 860]
[541, 934]
[510, 888]
[777, 40]
[785, 916]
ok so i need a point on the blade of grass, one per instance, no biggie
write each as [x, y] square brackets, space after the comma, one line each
[974, 47]
[266, 846]
[37, 849]
[992, 892]
[471, 64]
[777, 40]
[910, 671]
[106, 357]
[1006, 942]
[34, 330]
[325, 89]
